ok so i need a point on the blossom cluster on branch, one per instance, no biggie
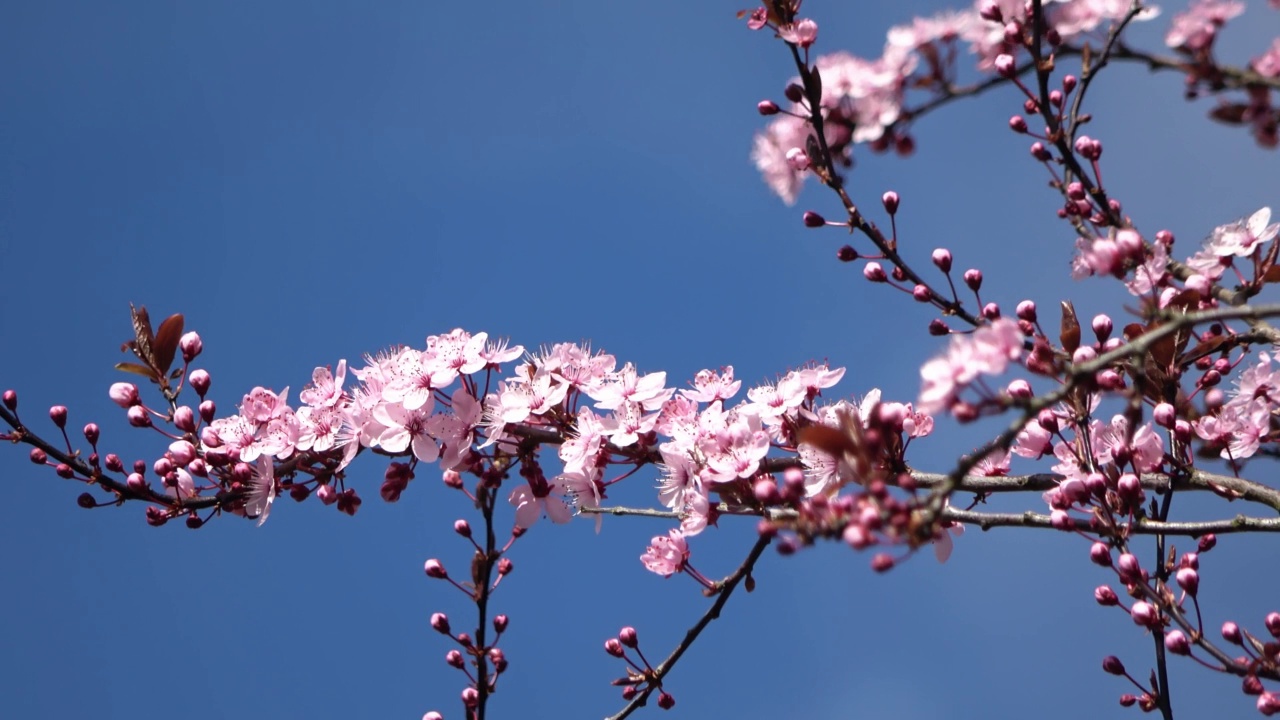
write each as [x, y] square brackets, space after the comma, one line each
[1129, 412]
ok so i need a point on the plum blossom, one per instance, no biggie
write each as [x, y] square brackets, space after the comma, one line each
[262, 491]
[403, 428]
[1243, 237]
[710, 386]
[533, 500]
[987, 351]
[666, 555]
[1072, 18]
[769, 153]
[325, 389]
[1238, 428]
[1194, 30]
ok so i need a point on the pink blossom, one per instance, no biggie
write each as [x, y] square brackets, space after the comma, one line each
[947, 26]
[666, 555]
[710, 386]
[769, 153]
[453, 354]
[627, 385]
[1076, 17]
[318, 427]
[262, 491]
[456, 430]
[1033, 441]
[943, 544]
[1195, 29]
[1237, 427]
[802, 32]
[325, 389]
[987, 351]
[533, 502]
[1152, 273]
[994, 464]
[1243, 237]
[404, 428]
[1268, 63]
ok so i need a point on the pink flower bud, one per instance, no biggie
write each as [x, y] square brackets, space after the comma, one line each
[58, 414]
[505, 566]
[123, 394]
[1018, 124]
[454, 659]
[1177, 643]
[766, 491]
[500, 623]
[327, 494]
[1105, 596]
[191, 345]
[1130, 488]
[136, 482]
[942, 259]
[874, 273]
[989, 10]
[1189, 580]
[1039, 152]
[200, 380]
[10, 399]
[767, 107]
[92, 432]
[440, 623]
[973, 279]
[813, 219]
[1143, 613]
[435, 569]
[938, 328]
[890, 200]
[666, 701]
[1061, 520]
[1231, 633]
[64, 471]
[1112, 664]
[1019, 389]
[138, 417]
[1048, 420]
[1269, 703]
[614, 647]
[462, 527]
[1100, 554]
[627, 636]
[1088, 148]
[921, 294]
[1005, 65]
[470, 697]
[1129, 567]
[1272, 622]
[882, 562]
[182, 451]
[798, 159]
[794, 93]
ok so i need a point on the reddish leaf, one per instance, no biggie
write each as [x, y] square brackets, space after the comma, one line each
[142, 335]
[829, 440]
[1272, 274]
[1231, 114]
[166, 342]
[137, 369]
[1069, 335]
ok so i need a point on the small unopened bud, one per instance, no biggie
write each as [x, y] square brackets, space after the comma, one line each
[505, 566]
[614, 647]
[766, 491]
[462, 527]
[1018, 124]
[327, 494]
[86, 501]
[1189, 580]
[92, 432]
[435, 569]
[767, 107]
[813, 219]
[1231, 633]
[973, 278]
[1100, 554]
[846, 254]
[191, 345]
[10, 399]
[938, 328]
[920, 293]
[184, 418]
[58, 414]
[1105, 596]
[890, 200]
[454, 659]
[1005, 65]
[1040, 152]
[665, 700]
[1272, 622]
[500, 623]
[794, 93]
[942, 259]
[470, 697]
[874, 273]
[200, 381]
[1019, 389]
[64, 471]
[1143, 613]
[1177, 643]
[138, 417]
[627, 636]
[882, 562]
[440, 623]
[1112, 664]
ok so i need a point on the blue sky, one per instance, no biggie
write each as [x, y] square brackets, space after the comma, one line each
[311, 181]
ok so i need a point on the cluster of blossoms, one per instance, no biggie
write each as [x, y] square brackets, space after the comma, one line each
[425, 405]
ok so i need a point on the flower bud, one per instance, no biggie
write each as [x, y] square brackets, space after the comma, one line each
[10, 399]
[92, 432]
[973, 278]
[665, 700]
[627, 636]
[767, 107]
[1105, 596]
[1040, 152]
[58, 414]
[462, 527]
[1112, 664]
[1143, 613]
[434, 568]
[191, 345]
[942, 259]
[1177, 643]
[1272, 622]
[470, 698]
[200, 380]
[184, 419]
[1019, 389]
[440, 623]
[794, 93]
[505, 566]
[500, 623]
[1005, 65]
[1188, 580]
[1231, 633]
[123, 394]
[938, 328]
[1018, 124]
[813, 219]
[873, 272]
[86, 501]
[890, 200]
[138, 417]
[614, 647]
[1129, 567]
[327, 494]
[1100, 554]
